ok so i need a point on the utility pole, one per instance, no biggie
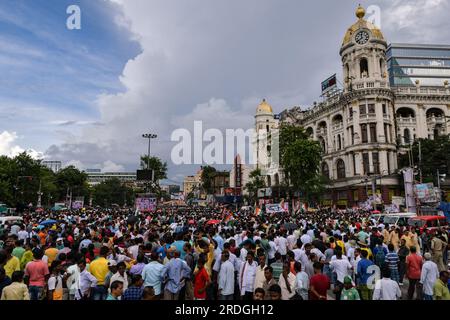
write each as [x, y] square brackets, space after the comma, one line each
[39, 195]
[149, 136]
[420, 161]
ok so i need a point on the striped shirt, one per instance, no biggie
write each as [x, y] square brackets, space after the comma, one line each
[392, 260]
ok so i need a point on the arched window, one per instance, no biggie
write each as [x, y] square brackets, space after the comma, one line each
[325, 170]
[277, 179]
[347, 71]
[381, 66]
[406, 136]
[269, 181]
[363, 68]
[340, 166]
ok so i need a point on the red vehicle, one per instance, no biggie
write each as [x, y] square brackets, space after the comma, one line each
[428, 223]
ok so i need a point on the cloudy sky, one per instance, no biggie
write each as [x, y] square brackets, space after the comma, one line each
[86, 96]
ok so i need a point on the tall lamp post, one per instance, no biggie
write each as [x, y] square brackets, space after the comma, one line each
[149, 136]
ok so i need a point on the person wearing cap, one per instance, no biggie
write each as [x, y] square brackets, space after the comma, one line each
[428, 277]
[349, 292]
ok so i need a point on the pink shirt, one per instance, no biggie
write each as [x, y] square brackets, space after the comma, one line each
[37, 270]
[414, 263]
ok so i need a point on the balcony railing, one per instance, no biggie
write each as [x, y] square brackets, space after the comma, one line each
[338, 126]
[367, 116]
[435, 120]
[363, 84]
[406, 120]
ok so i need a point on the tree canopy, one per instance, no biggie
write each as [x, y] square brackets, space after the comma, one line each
[157, 165]
[435, 156]
[300, 158]
[256, 181]
[21, 177]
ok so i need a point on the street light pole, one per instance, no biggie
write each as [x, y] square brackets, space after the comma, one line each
[149, 136]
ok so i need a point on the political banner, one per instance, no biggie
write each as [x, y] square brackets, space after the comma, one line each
[146, 204]
[274, 208]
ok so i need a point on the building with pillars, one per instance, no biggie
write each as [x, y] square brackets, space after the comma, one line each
[362, 128]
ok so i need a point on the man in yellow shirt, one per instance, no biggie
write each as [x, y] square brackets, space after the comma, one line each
[440, 289]
[12, 263]
[99, 269]
[408, 239]
[51, 253]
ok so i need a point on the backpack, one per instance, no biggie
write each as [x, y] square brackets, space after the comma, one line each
[380, 257]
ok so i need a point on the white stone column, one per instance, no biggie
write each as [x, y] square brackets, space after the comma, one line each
[421, 122]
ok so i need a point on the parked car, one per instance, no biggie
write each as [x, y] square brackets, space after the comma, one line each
[10, 220]
[428, 224]
[398, 219]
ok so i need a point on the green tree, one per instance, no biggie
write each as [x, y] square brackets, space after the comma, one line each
[435, 156]
[256, 182]
[157, 165]
[70, 179]
[208, 174]
[112, 191]
[300, 158]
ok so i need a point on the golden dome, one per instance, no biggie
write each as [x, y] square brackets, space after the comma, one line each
[362, 24]
[264, 107]
[360, 12]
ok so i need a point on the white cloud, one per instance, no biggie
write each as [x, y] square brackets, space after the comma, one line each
[214, 61]
[416, 21]
[109, 166]
[9, 148]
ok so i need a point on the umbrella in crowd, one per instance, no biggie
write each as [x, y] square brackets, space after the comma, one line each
[48, 222]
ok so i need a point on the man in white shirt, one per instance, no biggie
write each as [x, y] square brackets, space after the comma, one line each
[428, 276]
[23, 234]
[291, 241]
[305, 238]
[302, 281]
[282, 246]
[272, 250]
[343, 268]
[386, 288]
[84, 283]
[247, 277]
[73, 280]
[226, 277]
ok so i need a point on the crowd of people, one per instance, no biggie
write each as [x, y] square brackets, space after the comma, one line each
[188, 253]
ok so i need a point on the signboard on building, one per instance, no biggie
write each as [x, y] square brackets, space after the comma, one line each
[78, 203]
[274, 208]
[425, 192]
[144, 204]
[329, 84]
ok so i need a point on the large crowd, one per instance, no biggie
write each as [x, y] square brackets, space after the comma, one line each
[187, 253]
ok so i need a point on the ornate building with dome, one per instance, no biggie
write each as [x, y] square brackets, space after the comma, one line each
[363, 127]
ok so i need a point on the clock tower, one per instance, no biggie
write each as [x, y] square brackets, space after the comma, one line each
[363, 54]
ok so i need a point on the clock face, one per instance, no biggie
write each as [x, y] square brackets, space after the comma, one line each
[362, 37]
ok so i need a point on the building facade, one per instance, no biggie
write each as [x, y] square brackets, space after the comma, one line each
[362, 128]
[239, 177]
[96, 176]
